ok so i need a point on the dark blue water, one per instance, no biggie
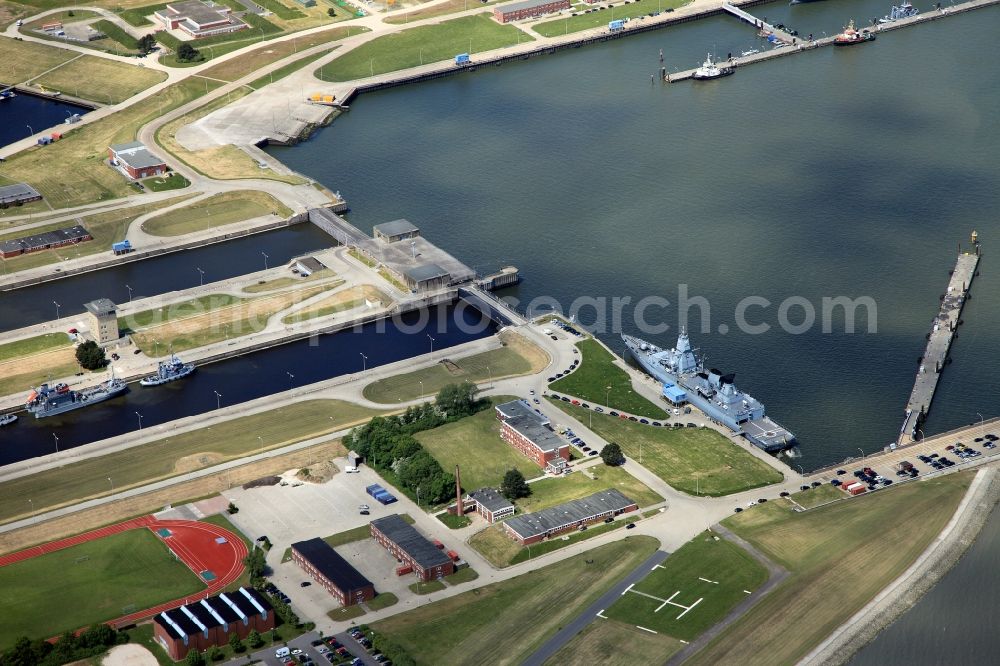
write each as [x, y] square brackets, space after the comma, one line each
[834, 173]
[17, 114]
[150, 277]
[246, 378]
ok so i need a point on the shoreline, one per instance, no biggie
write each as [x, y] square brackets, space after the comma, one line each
[903, 593]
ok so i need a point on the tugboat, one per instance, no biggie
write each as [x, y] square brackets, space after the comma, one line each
[852, 35]
[709, 70]
[905, 10]
[168, 371]
[7, 419]
[49, 401]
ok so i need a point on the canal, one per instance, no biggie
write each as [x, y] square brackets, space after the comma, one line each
[25, 112]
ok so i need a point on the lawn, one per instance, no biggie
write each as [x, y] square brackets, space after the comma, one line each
[474, 443]
[596, 372]
[346, 613]
[215, 211]
[422, 45]
[21, 374]
[290, 68]
[282, 282]
[612, 643]
[174, 181]
[88, 583]
[449, 7]
[382, 600]
[99, 79]
[557, 490]
[518, 357]
[20, 61]
[697, 461]
[342, 301]
[189, 308]
[808, 499]
[247, 63]
[463, 575]
[505, 622]
[83, 177]
[454, 522]
[106, 228]
[164, 458]
[840, 556]
[600, 19]
[35, 345]
[730, 571]
[426, 587]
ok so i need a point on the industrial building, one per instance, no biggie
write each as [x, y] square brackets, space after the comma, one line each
[210, 622]
[395, 231]
[103, 318]
[17, 194]
[44, 241]
[199, 19]
[411, 548]
[516, 11]
[135, 161]
[306, 266]
[491, 505]
[530, 433]
[332, 571]
[533, 527]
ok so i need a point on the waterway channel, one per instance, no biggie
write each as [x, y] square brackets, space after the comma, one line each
[24, 112]
[832, 173]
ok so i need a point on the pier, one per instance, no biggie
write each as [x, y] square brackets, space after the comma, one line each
[757, 23]
[939, 342]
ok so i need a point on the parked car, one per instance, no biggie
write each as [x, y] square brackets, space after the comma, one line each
[630, 526]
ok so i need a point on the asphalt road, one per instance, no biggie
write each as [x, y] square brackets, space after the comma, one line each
[564, 635]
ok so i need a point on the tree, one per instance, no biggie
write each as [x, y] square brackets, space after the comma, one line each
[514, 485]
[256, 565]
[612, 455]
[186, 52]
[331, 12]
[194, 658]
[215, 654]
[236, 643]
[254, 639]
[90, 356]
[146, 44]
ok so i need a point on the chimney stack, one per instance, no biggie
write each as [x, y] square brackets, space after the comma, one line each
[458, 492]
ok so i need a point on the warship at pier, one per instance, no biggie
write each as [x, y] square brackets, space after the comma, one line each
[685, 380]
[168, 371]
[51, 400]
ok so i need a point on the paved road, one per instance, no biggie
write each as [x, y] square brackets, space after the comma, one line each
[564, 635]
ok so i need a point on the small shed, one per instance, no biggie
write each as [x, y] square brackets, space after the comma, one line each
[353, 458]
[427, 276]
[397, 230]
[674, 394]
[308, 265]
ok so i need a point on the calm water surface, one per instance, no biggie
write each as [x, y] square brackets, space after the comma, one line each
[19, 114]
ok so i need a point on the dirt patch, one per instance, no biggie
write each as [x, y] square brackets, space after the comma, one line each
[177, 494]
[36, 363]
[262, 482]
[348, 299]
[129, 655]
[534, 354]
[452, 367]
[197, 461]
[320, 473]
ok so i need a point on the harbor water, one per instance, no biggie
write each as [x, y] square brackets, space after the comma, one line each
[832, 173]
[25, 112]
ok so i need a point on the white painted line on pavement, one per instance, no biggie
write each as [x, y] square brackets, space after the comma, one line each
[645, 629]
[656, 566]
[601, 616]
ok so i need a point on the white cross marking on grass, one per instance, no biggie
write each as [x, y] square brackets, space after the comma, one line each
[667, 601]
[657, 566]
[627, 589]
[684, 612]
[685, 642]
[645, 629]
[601, 616]
[713, 582]
[748, 591]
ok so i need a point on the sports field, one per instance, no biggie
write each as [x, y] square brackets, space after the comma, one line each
[692, 589]
[90, 582]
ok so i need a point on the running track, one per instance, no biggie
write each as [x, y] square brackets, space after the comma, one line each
[193, 542]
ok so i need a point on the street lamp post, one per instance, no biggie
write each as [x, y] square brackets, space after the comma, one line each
[57, 308]
[112, 485]
[201, 276]
[140, 420]
[607, 396]
[291, 379]
[491, 375]
[56, 437]
[31, 504]
[862, 454]
[261, 440]
[129, 293]
[218, 400]
[982, 425]
[432, 342]
[31, 132]
[364, 362]
[265, 260]
[421, 389]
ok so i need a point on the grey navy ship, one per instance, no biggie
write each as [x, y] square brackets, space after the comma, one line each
[49, 401]
[685, 379]
[168, 371]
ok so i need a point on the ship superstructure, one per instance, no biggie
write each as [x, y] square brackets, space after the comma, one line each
[168, 371]
[49, 401]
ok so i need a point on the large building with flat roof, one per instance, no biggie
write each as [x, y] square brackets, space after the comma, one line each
[530, 433]
[44, 241]
[17, 194]
[531, 528]
[332, 571]
[199, 19]
[210, 622]
[517, 11]
[412, 548]
[135, 161]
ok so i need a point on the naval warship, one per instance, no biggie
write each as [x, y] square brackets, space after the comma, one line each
[49, 401]
[168, 371]
[685, 379]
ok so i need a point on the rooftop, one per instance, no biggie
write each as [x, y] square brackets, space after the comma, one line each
[199, 12]
[136, 155]
[426, 272]
[491, 499]
[570, 513]
[416, 545]
[396, 228]
[525, 420]
[311, 264]
[100, 307]
[329, 563]
[43, 239]
[18, 192]
[225, 608]
[526, 4]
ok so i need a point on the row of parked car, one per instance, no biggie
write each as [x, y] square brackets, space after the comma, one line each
[273, 590]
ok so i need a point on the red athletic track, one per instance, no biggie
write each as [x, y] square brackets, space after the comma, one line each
[192, 541]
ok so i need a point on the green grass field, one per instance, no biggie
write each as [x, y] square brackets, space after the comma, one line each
[170, 456]
[596, 372]
[20, 61]
[680, 579]
[504, 622]
[425, 44]
[99, 79]
[418, 13]
[613, 643]
[174, 181]
[839, 555]
[697, 461]
[290, 68]
[88, 583]
[556, 490]
[463, 575]
[426, 587]
[513, 360]
[382, 600]
[807, 499]
[35, 345]
[189, 308]
[215, 211]
[474, 443]
[282, 282]
[600, 19]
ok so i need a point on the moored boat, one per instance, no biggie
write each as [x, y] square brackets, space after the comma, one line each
[7, 419]
[168, 371]
[710, 70]
[852, 35]
[51, 400]
[905, 10]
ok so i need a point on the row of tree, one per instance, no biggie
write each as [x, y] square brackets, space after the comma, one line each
[70, 647]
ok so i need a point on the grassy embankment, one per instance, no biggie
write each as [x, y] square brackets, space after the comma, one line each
[131, 569]
[504, 622]
[449, 7]
[518, 357]
[30, 362]
[116, 41]
[282, 282]
[840, 556]
[106, 228]
[601, 18]
[99, 79]
[216, 211]
[422, 45]
[697, 461]
[21, 61]
[170, 456]
[348, 299]
[599, 381]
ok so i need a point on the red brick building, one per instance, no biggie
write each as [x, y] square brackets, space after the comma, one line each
[533, 527]
[411, 548]
[44, 241]
[211, 621]
[333, 572]
[530, 433]
[528, 9]
[135, 161]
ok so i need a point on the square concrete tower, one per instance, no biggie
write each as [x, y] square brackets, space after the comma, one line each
[103, 320]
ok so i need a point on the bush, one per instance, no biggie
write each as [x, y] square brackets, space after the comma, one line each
[90, 356]
[194, 658]
[232, 508]
[254, 639]
[215, 654]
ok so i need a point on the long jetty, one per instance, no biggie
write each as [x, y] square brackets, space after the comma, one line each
[939, 342]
